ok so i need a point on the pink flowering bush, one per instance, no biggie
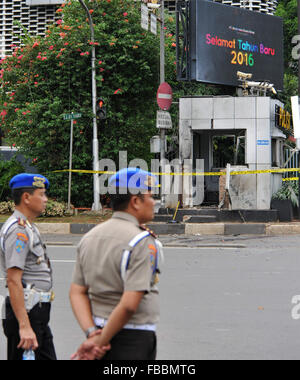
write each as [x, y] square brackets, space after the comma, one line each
[48, 77]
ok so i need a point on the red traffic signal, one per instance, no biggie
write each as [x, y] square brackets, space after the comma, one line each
[101, 109]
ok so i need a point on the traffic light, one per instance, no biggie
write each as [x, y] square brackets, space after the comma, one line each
[101, 109]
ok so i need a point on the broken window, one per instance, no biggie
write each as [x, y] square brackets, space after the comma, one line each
[228, 149]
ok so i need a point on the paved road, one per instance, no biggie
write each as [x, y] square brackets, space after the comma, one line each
[229, 302]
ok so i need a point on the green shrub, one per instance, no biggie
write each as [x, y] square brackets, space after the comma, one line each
[8, 169]
[288, 191]
[7, 207]
[55, 208]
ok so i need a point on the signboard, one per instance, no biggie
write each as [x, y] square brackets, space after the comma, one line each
[163, 120]
[296, 116]
[226, 39]
[263, 142]
[72, 116]
[153, 24]
[283, 119]
[144, 17]
[164, 96]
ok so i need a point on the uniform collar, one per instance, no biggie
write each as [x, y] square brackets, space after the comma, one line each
[125, 216]
[18, 214]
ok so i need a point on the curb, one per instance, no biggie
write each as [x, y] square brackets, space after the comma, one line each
[185, 229]
[54, 228]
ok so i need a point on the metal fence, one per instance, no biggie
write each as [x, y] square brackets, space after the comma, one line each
[291, 161]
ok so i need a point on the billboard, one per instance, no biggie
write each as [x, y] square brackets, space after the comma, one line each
[224, 39]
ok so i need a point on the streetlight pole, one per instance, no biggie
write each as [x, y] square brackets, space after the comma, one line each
[298, 13]
[97, 204]
[162, 79]
[298, 140]
[70, 164]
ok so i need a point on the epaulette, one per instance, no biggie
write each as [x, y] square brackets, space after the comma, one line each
[22, 222]
[145, 228]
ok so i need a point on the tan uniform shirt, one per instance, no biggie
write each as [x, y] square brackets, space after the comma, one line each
[24, 249]
[98, 267]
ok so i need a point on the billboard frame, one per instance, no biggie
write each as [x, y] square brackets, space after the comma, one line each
[186, 44]
[183, 40]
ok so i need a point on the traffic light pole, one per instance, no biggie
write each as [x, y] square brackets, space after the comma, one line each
[298, 140]
[96, 204]
[70, 164]
[162, 79]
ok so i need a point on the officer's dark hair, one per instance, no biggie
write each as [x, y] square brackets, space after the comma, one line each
[17, 193]
[120, 202]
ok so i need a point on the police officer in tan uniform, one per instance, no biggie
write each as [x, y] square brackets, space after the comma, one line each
[28, 272]
[114, 292]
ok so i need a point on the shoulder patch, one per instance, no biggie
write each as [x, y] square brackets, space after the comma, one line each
[145, 228]
[20, 245]
[22, 222]
[22, 237]
[153, 257]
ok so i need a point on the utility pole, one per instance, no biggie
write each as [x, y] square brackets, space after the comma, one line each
[298, 13]
[162, 79]
[298, 140]
[70, 164]
[96, 204]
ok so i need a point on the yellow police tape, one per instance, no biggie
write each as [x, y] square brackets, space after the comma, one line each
[290, 179]
[245, 172]
[83, 171]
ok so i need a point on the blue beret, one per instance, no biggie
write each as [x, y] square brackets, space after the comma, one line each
[29, 180]
[134, 178]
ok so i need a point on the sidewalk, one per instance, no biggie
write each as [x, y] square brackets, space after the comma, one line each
[191, 241]
[192, 229]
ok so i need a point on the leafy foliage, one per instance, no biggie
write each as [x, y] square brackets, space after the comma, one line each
[288, 191]
[8, 169]
[287, 9]
[7, 207]
[50, 76]
[55, 208]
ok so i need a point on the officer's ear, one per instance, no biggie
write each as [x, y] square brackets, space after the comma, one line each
[135, 201]
[26, 196]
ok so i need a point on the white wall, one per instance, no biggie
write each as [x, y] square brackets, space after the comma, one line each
[255, 115]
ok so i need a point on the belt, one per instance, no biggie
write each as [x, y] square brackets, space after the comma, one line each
[44, 297]
[131, 326]
[38, 296]
[32, 297]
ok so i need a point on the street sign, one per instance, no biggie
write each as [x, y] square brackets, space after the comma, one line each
[164, 96]
[72, 116]
[153, 24]
[163, 120]
[144, 17]
[263, 142]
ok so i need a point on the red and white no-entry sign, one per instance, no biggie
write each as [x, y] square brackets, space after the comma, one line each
[164, 96]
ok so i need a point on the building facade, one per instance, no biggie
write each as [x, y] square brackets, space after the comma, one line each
[36, 15]
[33, 15]
[251, 125]
[263, 6]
